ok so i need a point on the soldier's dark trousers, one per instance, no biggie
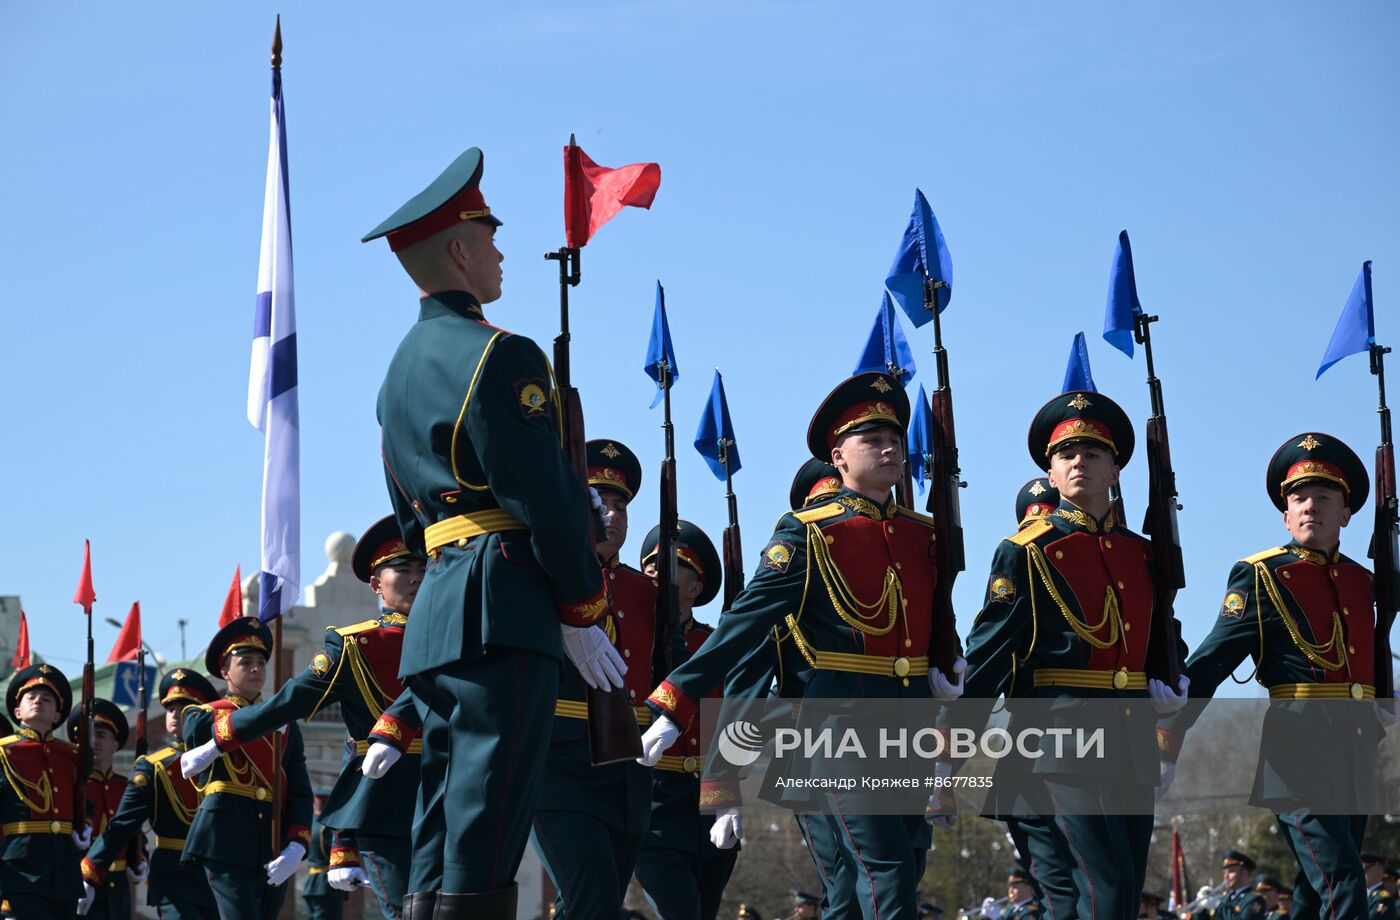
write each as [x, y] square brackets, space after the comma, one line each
[387, 861]
[837, 874]
[181, 909]
[1108, 853]
[886, 859]
[242, 893]
[589, 861]
[489, 719]
[685, 886]
[324, 907]
[113, 901]
[1330, 881]
[1044, 856]
[38, 907]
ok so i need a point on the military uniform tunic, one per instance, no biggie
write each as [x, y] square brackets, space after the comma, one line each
[113, 894]
[39, 871]
[477, 475]
[157, 793]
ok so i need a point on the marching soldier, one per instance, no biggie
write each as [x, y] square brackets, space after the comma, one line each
[357, 668]
[478, 477]
[863, 553]
[322, 901]
[110, 898]
[158, 793]
[1380, 898]
[680, 868]
[1235, 870]
[1304, 613]
[231, 833]
[39, 875]
[1068, 614]
[589, 820]
[1285, 904]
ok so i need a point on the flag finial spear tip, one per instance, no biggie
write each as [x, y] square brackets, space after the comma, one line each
[572, 142]
[277, 44]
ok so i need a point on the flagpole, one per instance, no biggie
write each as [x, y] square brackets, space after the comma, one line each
[277, 624]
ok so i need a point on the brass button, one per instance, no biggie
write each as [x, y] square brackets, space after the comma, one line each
[1127, 710]
[830, 539]
[1357, 693]
[1121, 586]
[1334, 573]
[690, 764]
[627, 653]
[262, 794]
[901, 667]
[1120, 679]
[889, 528]
[632, 693]
[694, 741]
[364, 640]
[450, 499]
[933, 538]
[1346, 611]
[612, 577]
[1059, 554]
[462, 543]
[907, 643]
[1108, 544]
[1127, 627]
[1351, 649]
[55, 826]
[1358, 729]
[1287, 574]
[898, 565]
[621, 615]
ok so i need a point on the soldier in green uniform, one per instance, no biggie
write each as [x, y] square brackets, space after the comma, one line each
[478, 477]
[589, 820]
[322, 901]
[1036, 638]
[159, 794]
[110, 900]
[1304, 613]
[1150, 907]
[1262, 900]
[1021, 903]
[231, 835]
[359, 669]
[42, 836]
[681, 870]
[1234, 889]
[1380, 897]
[859, 552]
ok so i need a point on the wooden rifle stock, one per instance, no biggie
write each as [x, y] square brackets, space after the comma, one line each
[612, 722]
[1384, 557]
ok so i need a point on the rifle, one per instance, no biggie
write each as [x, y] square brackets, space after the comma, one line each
[143, 700]
[732, 544]
[1159, 524]
[84, 739]
[668, 599]
[612, 723]
[1383, 551]
[943, 500]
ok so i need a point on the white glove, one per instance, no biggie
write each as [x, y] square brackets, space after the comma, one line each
[378, 759]
[1388, 711]
[594, 656]
[990, 909]
[1163, 699]
[599, 507]
[345, 878]
[661, 735]
[140, 873]
[85, 903]
[1168, 774]
[285, 866]
[939, 816]
[83, 839]
[943, 688]
[197, 760]
[728, 828]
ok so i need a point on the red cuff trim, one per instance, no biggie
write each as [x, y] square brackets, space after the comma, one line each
[393, 731]
[719, 794]
[674, 703]
[585, 612]
[343, 856]
[301, 834]
[92, 874]
[1169, 744]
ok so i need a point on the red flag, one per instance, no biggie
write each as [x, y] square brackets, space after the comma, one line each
[128, 644]
[21, 658]
[1181, 882]
[233, 603]
[593, 193]
[85, 595]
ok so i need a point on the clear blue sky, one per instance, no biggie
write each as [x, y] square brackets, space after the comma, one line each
[1249, 148]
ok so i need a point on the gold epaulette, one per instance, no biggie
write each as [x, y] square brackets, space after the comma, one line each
[914, 515]
[818, 513]
[158, 756]
[357, 628]
[1030, 533]
[1266, 554]
[8, 740]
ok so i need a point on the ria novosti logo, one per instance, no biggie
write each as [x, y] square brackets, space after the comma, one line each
[740, 743]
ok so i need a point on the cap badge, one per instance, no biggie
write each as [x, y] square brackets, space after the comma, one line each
[611, 452]
[881, 385]
[1309, 443]
[1079, 402]
[1036, 488]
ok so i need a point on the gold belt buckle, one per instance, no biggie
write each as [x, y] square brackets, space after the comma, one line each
[901, 667]
[690, 764]
[262, 794]
[1120, 679]
[54, 826]
[1356, 692]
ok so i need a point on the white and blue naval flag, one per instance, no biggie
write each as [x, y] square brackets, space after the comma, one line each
[272, 384]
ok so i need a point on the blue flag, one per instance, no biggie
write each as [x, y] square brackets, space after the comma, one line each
[887, 350]
[1077, 374]
[1356, 327]
[1123, 302]
[714, 427]
[921, 441]
[659, 348]
[923, 253]
[272, 383]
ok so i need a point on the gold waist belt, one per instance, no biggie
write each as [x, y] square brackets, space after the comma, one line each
[1322, 692]
[118, 866]
[248, 792]
[574, 709]
[414, 747]
[673, 764]
[879, 665]
[16, 828]
[466, 526]
[170, 843]
[315, 870]
[1121, 679]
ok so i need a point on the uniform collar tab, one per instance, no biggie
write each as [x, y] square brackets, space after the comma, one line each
[1314, 556]
[864, 506]
[459, 302]
[1075, 515]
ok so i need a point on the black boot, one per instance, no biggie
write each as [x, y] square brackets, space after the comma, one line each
[488, 905]
[419, 905]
